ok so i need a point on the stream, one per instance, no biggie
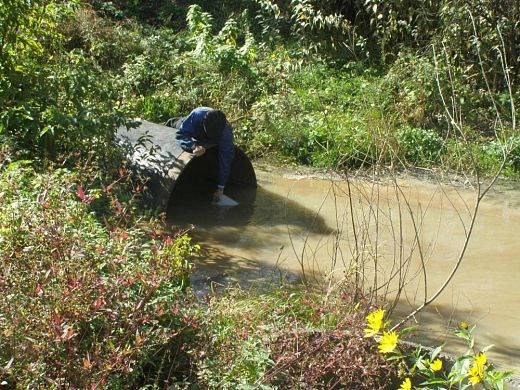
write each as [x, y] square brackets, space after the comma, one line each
[403, 236]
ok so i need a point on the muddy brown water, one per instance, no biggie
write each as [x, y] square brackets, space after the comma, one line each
[294, 226]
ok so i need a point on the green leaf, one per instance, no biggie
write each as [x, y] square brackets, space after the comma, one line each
[485, 349]
[434, 381]
[407, 330]
[460, 369]
[435, 352]
[47, 129]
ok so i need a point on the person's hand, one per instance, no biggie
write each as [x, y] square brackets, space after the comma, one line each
[199, 150]
[218, 194]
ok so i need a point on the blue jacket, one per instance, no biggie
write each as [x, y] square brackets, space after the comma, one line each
[191, 133]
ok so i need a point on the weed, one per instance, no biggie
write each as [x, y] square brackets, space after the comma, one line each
[420, 147]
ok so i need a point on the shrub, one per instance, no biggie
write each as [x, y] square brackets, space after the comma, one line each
[288, 339]
[107, 43]
[514, 157]
[194, 68]
[420, 146]
[55, 103]
[322, 117]
[490, 156]
[81, 112]
[411, 90]
[85, 304]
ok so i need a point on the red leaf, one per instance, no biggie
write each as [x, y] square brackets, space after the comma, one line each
[39, 290]
[80, 193]
[118, 206]
[57, 319]
[68, 333]
[98, 303]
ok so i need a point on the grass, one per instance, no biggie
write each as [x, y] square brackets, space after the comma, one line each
[289, 339]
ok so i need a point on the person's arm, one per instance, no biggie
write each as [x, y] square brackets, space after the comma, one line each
[184, 136]
[226, 153]
[188, 129]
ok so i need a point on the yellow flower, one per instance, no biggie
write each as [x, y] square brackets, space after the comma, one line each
[406, 385]
[388, 342]
[474, 375]
[476, 372]
[463, 325]
[436, 365]
[374, 323]
[480, 360]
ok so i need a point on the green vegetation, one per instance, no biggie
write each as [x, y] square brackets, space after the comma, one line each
[96, 294]
[427, 368]
[85, 301]
[332, 84]
[289, 339]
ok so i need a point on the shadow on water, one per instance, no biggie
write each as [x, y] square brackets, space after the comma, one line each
[257, 207]
[216, 270]
[258, 225]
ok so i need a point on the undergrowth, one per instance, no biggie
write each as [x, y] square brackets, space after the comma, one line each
[97, 295]
[287, 89]
[89, 299]
[288, 339]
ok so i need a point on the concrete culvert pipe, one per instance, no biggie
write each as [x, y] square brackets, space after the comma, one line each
[173, 175]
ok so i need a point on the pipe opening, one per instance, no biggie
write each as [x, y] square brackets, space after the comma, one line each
[197, 181]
